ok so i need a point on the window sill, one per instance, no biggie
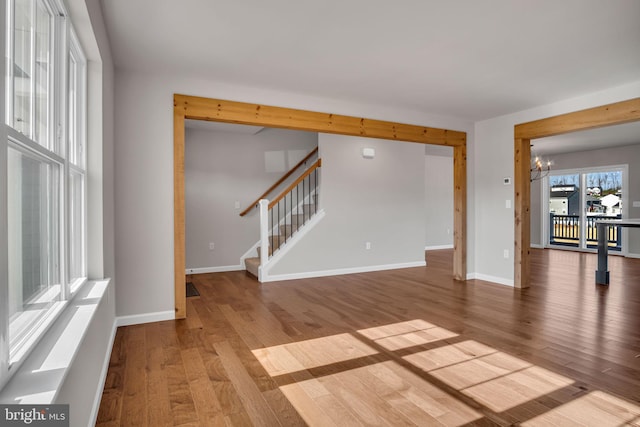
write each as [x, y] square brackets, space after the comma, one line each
[39, 378]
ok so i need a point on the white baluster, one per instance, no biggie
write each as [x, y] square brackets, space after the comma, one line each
[264, 231]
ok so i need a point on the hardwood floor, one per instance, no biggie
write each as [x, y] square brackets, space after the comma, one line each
[402, 347]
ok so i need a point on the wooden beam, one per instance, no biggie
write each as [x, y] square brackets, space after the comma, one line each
[522, 212]
[611, 114]
[460, 212]
[263, 115]
[179, 212]
[606, 115]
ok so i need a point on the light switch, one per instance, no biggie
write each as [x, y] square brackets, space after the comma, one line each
[507, 204]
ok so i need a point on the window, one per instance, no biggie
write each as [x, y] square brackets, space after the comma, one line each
[34, 242]
[46, 175]
[30, 76]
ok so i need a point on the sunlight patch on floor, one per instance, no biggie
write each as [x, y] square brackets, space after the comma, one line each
[406, 334]
[298, 356]
[596, 408]
[515, 389]
[379, 394]
[492, 378]
[387, 392]
[447, 355]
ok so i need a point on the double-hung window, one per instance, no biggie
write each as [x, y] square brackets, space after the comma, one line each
[46, 175]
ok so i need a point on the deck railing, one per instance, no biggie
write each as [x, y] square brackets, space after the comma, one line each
[565, 231]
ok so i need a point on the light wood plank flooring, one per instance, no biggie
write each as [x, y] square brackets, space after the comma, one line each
[403, 347]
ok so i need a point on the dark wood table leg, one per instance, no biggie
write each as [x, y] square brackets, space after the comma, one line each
[602, 274]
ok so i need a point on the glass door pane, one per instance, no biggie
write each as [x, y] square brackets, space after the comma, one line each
[564, 210]
[603, 201]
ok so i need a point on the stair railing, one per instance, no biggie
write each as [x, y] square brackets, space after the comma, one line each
[280, 181]
[295, 205]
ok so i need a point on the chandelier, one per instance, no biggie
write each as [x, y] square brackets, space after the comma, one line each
[539, 169]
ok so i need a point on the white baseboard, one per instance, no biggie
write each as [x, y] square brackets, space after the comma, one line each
[340, 271]
[630, 255]
[437, 247]
[536, 246]
[492, 279]
[220, 269]
[138, 319]
[103, 374]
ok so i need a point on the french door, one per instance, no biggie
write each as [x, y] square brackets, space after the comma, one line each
[576, 199]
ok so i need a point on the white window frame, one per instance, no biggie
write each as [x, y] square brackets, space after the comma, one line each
[63, 43]
[79, 167]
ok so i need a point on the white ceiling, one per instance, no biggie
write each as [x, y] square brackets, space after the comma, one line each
[594, 139]
[465, 58]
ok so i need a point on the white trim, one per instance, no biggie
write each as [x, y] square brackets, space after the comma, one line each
[220, 269]
[536, 246]
[630, 255]
[138, 319]
[492, 279]
[264, 232]
[103, 375]
[437, 247]
[352, 270]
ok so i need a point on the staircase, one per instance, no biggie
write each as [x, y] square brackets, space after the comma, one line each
[285, 232]
[286, 214]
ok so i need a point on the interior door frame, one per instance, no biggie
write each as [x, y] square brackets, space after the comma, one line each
[216, 110]
[606, 115]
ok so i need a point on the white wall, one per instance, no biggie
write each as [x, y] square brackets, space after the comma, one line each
[144, 173]
[222, 168]
[493, 160]
[438, 178]
[629, 155]
[379, 200]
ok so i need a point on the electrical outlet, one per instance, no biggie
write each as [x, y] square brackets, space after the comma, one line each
[507, 204]
[236, 205]
[506, 253]
[367, 245]
[212, 246]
